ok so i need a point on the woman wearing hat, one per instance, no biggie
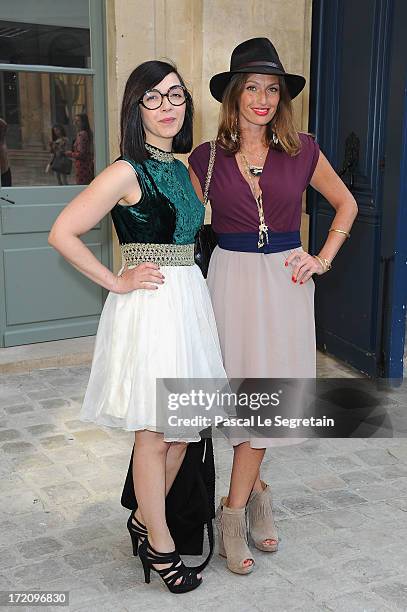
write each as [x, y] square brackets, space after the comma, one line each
[259, 277]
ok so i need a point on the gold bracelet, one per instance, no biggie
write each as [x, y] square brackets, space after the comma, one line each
[347, 234]
[325, 263]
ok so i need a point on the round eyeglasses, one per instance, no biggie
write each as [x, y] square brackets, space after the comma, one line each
[152, 99]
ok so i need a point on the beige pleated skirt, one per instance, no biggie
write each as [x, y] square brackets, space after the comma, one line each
[265, 321]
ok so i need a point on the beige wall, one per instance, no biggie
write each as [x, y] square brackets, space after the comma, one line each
[199, 35]
[226, 23]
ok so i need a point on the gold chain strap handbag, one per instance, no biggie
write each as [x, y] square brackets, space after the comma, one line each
[205, 240]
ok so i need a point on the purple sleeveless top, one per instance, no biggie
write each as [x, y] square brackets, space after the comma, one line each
[283, 182]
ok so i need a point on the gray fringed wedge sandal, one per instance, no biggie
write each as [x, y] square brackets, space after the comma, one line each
[232, 531]
[261, 521]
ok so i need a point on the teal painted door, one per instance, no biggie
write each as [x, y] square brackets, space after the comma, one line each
[46, 106]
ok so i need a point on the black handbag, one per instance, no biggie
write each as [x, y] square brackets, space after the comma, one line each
[61, 164]
[205, 240]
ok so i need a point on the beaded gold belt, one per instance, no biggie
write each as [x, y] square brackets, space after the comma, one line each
[136, 253]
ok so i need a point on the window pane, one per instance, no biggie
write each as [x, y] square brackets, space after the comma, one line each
[46, 123]
[47, 32]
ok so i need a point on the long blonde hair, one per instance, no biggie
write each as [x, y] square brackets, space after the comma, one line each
[282, 123]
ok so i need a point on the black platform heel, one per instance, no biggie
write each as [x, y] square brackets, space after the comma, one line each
[137, 532]
[170, 575]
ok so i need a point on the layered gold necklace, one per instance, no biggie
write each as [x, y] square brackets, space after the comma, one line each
[263, 228]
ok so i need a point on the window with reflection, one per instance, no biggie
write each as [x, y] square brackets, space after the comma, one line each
[46, 33]
[31, 43]
[46, 127]
[46, 118]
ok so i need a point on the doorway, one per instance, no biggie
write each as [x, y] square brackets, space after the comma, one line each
[52, 86]
[358, 81]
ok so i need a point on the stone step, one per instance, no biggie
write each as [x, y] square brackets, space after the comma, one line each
[59, 353]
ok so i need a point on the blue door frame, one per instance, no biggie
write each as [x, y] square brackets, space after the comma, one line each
[395, 338]
[358, 69]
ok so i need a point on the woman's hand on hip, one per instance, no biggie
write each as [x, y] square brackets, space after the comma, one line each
[304, 266]
[144, 276]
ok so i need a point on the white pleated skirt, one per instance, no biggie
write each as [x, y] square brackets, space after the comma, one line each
[265, 321]
[148, 334]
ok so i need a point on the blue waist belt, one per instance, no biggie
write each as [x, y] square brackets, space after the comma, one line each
[246, 242]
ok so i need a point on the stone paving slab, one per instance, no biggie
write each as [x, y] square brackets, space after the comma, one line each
[340, 506]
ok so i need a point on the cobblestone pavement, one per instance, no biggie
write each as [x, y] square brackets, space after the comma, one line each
[341, 507]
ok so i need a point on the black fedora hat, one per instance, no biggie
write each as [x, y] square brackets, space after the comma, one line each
[259, 56]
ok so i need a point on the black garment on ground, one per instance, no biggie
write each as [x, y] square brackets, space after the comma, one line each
[190, 503]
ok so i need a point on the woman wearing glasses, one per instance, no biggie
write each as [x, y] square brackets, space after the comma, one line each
[157, 321]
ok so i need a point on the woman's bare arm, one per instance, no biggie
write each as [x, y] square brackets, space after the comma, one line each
[195, 183]
[328, 183]
[117, 182]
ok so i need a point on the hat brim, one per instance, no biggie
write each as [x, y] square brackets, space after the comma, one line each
[219, 82]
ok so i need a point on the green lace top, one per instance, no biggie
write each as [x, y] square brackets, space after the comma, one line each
[169, 212]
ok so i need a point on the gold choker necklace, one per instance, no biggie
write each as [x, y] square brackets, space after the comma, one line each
[159, 154]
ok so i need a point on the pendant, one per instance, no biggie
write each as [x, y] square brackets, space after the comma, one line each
[263, 231]
[255, 170]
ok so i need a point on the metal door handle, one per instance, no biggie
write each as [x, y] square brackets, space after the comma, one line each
[7, 200]
[351, 160]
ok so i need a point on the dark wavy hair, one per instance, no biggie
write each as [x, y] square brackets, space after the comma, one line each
[85, 127]
[132, 135]
[84, 121]
[57, 126]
